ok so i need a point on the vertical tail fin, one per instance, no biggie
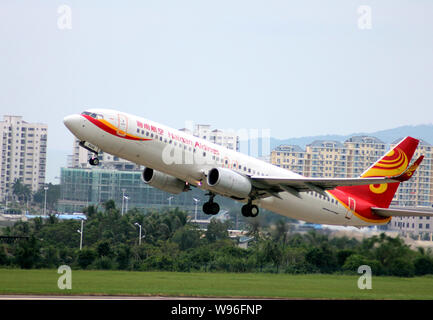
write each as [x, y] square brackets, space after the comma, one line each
[394, 163]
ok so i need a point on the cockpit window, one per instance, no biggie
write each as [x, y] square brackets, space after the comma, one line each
[93, 115]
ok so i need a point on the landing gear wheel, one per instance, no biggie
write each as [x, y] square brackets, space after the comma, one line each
[250, 210]
[211, 208]
[254, 211]
[94, 161]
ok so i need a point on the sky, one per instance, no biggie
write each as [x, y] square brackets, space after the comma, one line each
[297, 68]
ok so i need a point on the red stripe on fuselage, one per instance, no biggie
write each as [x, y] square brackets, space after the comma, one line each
[109, 130]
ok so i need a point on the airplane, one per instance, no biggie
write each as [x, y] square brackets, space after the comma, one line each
[175, 161]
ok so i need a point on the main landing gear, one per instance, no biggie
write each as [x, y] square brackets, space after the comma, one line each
[211, 207]
[250, 210]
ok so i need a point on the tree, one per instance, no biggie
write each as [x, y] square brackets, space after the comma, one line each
[216, 230]
[423, 265]
[401, 267]
[3, 256]
[109, 205]
[123, 257]
[103, 249]
[281, 230]
[354, 261]
[272, 253]
[187, 237]
[53, 195]
[323, 258]
[86, 257]
[28, 253]
[21, 191]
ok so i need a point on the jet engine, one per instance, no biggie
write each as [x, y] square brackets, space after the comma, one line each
[229, 183]
[163, 181]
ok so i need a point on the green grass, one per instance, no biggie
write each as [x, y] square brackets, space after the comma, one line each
[17, 281]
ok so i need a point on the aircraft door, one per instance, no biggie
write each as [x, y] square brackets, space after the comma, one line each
[122, 125]
[352, 208]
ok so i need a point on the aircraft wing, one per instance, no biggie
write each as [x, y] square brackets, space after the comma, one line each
[296, 185]
[273, 185]
[404, 211]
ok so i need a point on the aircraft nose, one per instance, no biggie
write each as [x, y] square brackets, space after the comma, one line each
[72, 122]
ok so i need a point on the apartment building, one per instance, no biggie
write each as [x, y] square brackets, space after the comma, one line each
[23, 154]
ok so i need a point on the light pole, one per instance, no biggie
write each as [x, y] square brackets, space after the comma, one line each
[139, 234]
[45, 201]
[81, 234]
[196, 201]
[169, 201]
[126, 206]
[123, 199]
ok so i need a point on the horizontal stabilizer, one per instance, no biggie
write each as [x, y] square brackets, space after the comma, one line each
[404, 212]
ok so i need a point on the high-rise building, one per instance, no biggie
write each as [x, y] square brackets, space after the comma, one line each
[23, 154]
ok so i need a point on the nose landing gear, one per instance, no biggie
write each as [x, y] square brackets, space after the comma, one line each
[94, 161]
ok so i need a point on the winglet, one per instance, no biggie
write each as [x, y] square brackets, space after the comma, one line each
[409, 172]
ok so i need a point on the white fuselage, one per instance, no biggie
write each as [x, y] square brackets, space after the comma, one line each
[189, 158]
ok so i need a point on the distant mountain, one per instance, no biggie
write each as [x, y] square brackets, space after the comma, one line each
[424, 132]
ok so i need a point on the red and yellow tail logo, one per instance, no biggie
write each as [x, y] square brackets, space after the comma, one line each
[392, 164]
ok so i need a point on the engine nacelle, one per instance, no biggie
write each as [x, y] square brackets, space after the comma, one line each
[229, 183]
[163, 181]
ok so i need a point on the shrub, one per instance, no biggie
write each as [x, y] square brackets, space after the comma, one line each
[423, 265]
[401, 268]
